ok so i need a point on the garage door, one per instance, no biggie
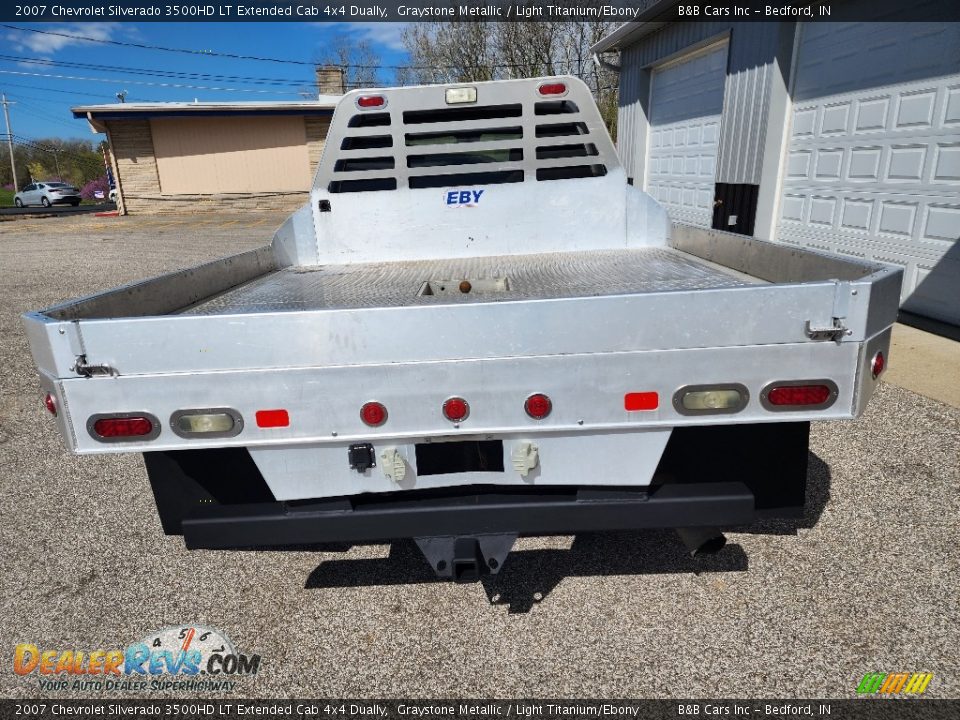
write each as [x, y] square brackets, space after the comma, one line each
[686, 99]
[873, 166]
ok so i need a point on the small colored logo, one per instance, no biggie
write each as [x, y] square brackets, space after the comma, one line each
[462, 198]
[186, 651]
[894, 683]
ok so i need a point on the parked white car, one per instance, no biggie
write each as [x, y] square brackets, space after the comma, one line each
[47, 194]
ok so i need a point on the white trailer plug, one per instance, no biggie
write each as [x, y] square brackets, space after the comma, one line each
[393, 464]
[525, 457]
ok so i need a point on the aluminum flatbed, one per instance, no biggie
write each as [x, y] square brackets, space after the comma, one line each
[543, 276]
[476, 328]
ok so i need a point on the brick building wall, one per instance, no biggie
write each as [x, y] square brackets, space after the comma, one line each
[139, 180]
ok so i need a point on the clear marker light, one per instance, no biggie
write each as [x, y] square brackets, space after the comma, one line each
[460, 95]
[206, 423]
[712, 399]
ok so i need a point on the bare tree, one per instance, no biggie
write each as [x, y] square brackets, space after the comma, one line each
[477, 51]
[450, 52]
[360, 62]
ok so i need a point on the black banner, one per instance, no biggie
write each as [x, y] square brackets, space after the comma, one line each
[849, 709]
[479, 11]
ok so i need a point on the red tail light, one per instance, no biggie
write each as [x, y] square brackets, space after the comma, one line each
[811, 395]
[553, 89]
[538, 406]
[373, 414]
[456, 409]
[273, 418]
[125, 427]
[51, 404]
[799, 395]
[371, 101]
[876, 366]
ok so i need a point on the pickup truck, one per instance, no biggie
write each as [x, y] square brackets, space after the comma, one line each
[475, 330]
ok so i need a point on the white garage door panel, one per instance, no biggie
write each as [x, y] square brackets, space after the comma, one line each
[874, 170]
[686, 100]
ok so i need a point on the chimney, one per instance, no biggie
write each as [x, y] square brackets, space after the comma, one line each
[330, 79]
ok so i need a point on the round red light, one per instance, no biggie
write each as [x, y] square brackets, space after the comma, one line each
[51, 404]
[456, 409]
[878, 364]
[538, 406]
[368, 101]
[373, 414]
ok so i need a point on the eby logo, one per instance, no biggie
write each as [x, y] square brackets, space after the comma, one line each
[462, 198]
[176, 650]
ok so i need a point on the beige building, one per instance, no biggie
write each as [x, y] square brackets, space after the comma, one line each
[170, 157]
[211, 156]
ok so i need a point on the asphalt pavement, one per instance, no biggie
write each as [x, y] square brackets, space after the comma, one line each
[54, 210]
[868, 581]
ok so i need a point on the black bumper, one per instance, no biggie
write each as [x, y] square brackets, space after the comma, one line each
[708, 476]
[543, 511]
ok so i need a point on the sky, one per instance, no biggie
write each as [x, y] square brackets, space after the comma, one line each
[42, 108]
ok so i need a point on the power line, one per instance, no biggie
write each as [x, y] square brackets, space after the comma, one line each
[36, 145]
[145, 82]
[41, 114]
[174, 74]
[144, 46]
[211, 53]
[7, 83]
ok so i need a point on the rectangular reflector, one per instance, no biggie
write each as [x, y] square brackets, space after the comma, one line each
[641, 401]
[272, 418]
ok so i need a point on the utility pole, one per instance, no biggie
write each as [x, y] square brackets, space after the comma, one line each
[6, 116]
[56, 159]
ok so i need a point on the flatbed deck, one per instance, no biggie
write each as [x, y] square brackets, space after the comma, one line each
[499, 278]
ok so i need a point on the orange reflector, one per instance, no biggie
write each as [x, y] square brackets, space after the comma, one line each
[272, 418]
[641, 401]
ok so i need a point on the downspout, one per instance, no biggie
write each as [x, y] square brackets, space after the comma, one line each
[605, 65]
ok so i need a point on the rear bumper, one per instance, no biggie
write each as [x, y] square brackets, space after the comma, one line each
[533, 511]
[712, 476]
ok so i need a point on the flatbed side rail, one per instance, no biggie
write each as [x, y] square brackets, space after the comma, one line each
[769, 261]
[170, 292]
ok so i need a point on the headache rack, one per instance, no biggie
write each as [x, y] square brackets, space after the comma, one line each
[416, 173]
[498, 143]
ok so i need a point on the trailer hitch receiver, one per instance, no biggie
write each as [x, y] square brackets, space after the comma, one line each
[467, 558]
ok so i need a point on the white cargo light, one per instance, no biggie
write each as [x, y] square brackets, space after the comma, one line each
[214, 422]
[712, 399]
[460, 95]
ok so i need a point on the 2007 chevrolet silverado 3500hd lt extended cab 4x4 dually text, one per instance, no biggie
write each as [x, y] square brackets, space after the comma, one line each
[476, 329]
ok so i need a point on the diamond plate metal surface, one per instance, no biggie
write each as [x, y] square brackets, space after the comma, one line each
[529, 277]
